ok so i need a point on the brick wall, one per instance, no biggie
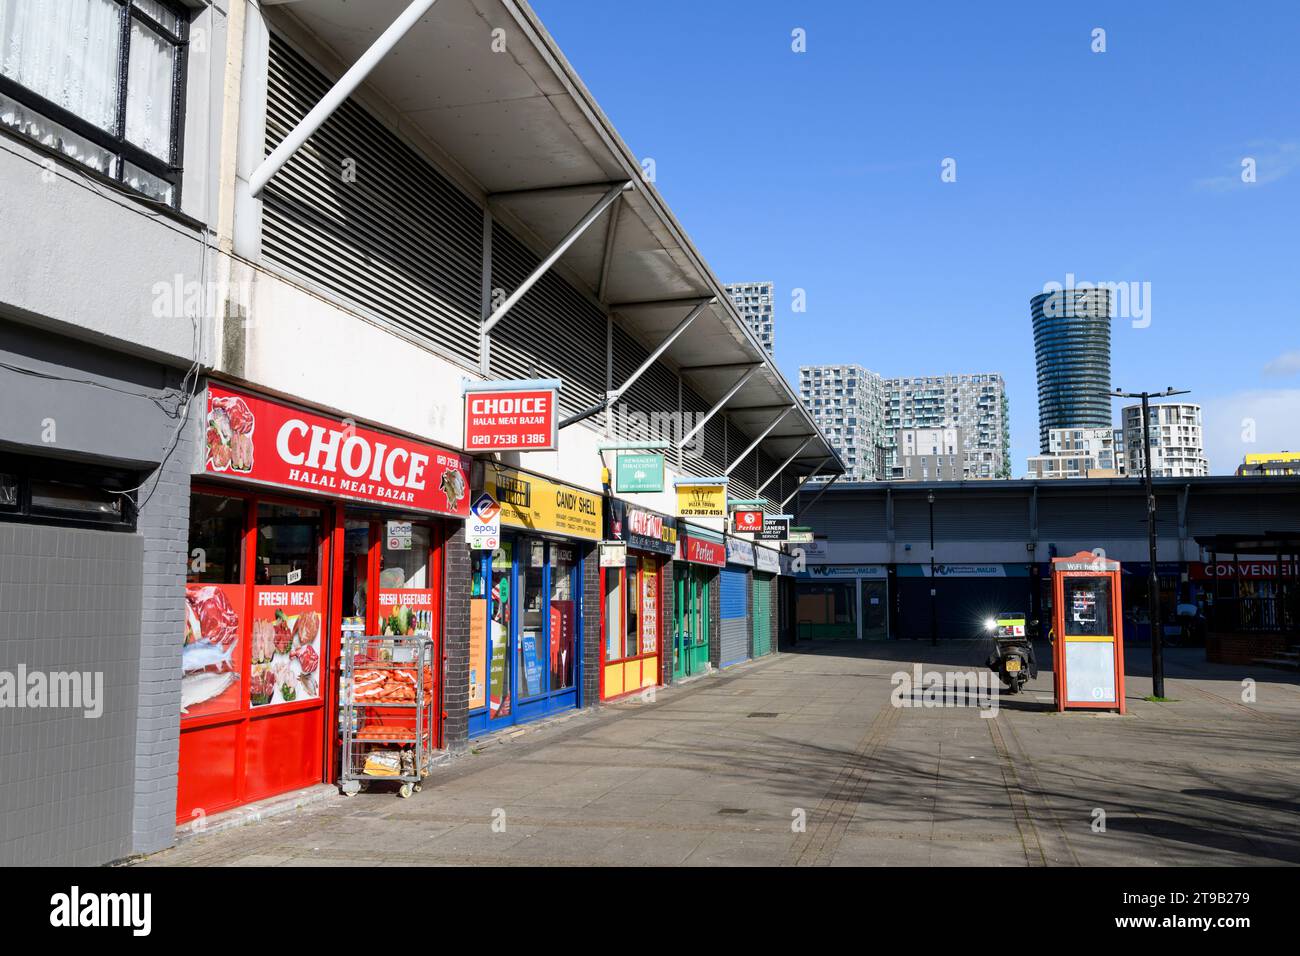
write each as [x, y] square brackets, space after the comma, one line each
[457, 568]
[590, 625]
[1242, 648]
[715, 619]
[164, 523]
[667, 620]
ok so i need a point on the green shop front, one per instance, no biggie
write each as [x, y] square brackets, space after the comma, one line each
[701, 554]
[526, 608]
[767, 568]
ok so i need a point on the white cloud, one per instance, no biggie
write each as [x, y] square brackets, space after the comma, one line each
[1248, 423]
[1273, 161]
[1284, 366]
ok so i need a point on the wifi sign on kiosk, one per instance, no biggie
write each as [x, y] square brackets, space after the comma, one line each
[1088, 623]
[514, 415]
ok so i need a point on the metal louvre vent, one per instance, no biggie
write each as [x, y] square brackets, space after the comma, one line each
[552, 332]
[704, 455]
[399, 241]
[766, 465]
[742, 476]
[647, 410]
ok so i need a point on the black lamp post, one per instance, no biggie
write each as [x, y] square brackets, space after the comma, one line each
[934, 611]
[1153, 579]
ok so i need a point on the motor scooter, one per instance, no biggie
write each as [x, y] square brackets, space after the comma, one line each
[1012, 658]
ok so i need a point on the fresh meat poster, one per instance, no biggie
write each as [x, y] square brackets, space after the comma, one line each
[210, 661]
[262, 440]
[286, 645]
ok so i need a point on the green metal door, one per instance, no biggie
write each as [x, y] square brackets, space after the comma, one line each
[691, 638]
[762, 615]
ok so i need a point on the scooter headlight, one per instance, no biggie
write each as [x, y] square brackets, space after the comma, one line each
[990, 625]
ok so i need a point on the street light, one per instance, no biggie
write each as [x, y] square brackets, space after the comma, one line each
[1153, 579]
[934, 612]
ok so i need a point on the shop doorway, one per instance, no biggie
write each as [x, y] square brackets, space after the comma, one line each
[532, 649]
[254, 687]
[875, 610]
[691, 641]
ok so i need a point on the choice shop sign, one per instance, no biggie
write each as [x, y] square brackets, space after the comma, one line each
[536, 504]
[642, 529]
[273, 443]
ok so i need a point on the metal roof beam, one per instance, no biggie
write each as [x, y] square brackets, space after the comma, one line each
[761, 435]
[544, 266]
[616, 394]
[570, 189]
[336, 95]
[785, 464]
[662, 303]
[803, 481]
[740, 383]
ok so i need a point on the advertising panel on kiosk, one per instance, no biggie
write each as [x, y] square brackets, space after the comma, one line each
[1088, 645]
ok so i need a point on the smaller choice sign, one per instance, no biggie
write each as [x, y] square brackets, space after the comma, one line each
[513, 419]
[639, 473]
[483, 526]
[746, 521]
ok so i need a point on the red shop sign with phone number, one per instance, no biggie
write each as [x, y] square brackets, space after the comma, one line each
[277, 444]
[511, 420]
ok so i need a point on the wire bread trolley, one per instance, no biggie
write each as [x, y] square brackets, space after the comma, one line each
[387, 711]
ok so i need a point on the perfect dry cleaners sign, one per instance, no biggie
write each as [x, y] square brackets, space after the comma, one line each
[511, 419]
[265, 441]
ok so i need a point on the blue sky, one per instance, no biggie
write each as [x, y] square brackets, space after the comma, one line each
[821, 170]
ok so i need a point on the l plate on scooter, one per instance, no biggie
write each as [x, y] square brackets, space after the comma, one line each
[1013, 665]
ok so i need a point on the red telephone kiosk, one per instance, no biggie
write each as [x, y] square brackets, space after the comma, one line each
[1088, 650]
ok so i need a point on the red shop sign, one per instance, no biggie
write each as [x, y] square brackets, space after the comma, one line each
[277, 444]
[747, 521]
[699, 551]
[511, 420]
[1246, 570]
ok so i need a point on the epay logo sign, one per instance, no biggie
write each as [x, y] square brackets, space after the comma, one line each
[483, 526]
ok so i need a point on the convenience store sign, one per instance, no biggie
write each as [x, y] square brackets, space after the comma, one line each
[540, 505]
[269, 442]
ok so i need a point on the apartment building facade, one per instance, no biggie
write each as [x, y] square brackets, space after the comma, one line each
[974, 403]
[1081, 453]
[848, 404]
[755, 302]
[1176, 440]
[931, 454]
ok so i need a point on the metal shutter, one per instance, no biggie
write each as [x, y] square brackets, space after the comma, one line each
[552, 332]
[762, 614]
[735, 616]
[401, 244]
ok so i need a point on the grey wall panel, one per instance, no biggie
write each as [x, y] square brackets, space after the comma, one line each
[69, 603]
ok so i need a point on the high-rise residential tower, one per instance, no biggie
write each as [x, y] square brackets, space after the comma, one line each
[754, 302]
[862, 414]
[1176, 441]
[1072, 352]
[847, 403]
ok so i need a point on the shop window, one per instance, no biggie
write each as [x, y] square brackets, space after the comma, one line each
[405, 593]
[499, 701]
[8, 492]
[216, 539]
[563, 618]
[288, 545]
[356, 572]
[633, 634]
[532, 635]
[613, 614]
[1087, 607]
[99, 82]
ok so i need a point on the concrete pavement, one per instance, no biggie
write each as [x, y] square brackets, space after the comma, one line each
[724, 770]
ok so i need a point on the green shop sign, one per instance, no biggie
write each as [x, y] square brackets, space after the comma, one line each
[639, 473]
